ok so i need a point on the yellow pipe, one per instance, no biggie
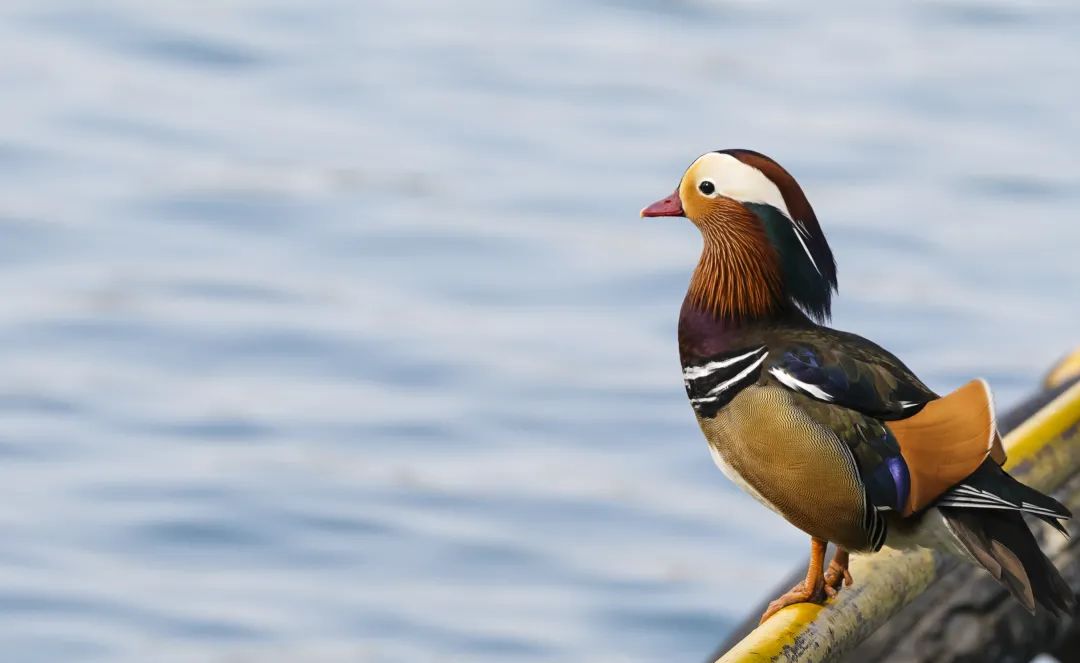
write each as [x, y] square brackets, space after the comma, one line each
[890, 579]
[1043, 427]
[1065, 370]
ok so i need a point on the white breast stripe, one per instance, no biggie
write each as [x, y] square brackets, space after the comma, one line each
[790, 382]
[724, 386]
[718, 390]
[698, 372]
[906, 404]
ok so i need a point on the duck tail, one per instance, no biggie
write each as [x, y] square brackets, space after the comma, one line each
[1001, 542]
[991, 487]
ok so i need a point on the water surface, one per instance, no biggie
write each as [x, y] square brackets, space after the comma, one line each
[330, 332]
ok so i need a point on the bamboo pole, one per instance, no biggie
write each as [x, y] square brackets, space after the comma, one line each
[1044, 451]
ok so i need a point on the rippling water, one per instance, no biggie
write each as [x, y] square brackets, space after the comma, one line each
[330, 332]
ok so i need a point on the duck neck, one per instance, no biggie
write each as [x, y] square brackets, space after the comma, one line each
[704, 334]
[738, 275]
[737, 287]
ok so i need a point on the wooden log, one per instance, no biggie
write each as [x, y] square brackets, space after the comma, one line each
[1044, 449]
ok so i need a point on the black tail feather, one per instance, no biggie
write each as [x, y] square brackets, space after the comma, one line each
[1055, 523]
[1001, 541]
[991, 487]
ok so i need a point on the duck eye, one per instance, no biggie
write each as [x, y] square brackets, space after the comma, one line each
[706, 187]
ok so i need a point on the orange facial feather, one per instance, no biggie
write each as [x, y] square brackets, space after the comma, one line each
[738, 275]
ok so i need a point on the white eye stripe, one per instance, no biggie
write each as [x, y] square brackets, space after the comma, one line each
[746, 184]
[738, 181]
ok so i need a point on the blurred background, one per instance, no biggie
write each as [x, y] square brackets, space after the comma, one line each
[330, 331]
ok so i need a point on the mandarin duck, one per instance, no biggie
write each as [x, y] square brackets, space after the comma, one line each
[824, 427]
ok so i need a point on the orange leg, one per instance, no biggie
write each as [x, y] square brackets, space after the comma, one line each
[810, 589]
[837, 573]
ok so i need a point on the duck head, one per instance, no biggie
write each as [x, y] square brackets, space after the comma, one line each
[763, 248]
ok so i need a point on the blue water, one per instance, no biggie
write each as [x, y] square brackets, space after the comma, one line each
[330, 331]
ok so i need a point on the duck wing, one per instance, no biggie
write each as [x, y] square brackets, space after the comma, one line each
[847, 370]
[941, 440]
